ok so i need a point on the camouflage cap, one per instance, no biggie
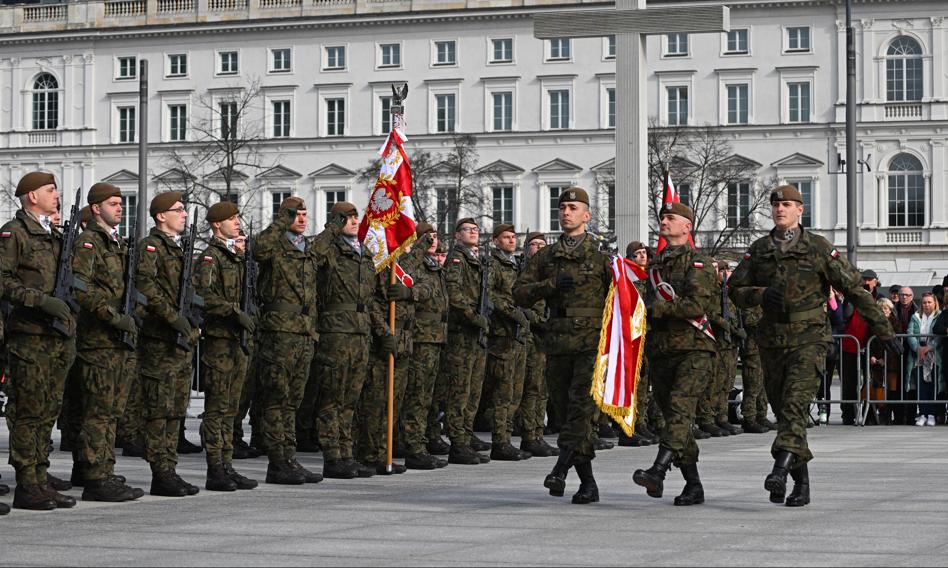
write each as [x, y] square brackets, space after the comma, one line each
[464, 221]
[679, 209]
[163, 202]
[424, 228]
[102, 191]
[785, 193]
[534, 236]
[574, 194]
[503, 228]
[343, 207]
[85, 215]
[634, 246]
[293, 203]
[33, 181]
[221, 211]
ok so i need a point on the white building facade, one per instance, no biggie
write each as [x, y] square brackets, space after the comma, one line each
[543, 111]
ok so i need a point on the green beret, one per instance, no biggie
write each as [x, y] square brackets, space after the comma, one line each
[102, 191]
[634, 246]
[293, 203]
[503, 228]
[464, 221]
[679, 209]
[345, 208]
[785, 193]
[33, 181]
[534, 236]
[85, 215]
[574, 194]
[163, 202]
[424, 228]
[221, 211]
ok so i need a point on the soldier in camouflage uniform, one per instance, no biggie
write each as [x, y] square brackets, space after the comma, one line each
[754, 401]
[38, 357]
[789, 272]
[711, 414]
[573, 276]
[287, 292]
[682, 291]
[131, 425]
[219, 280]
[535, 393]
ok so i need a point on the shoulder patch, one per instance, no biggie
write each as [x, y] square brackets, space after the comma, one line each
[150, 248]
[698, 264]
[6, 235]
[88, 245]
[208, 259]
[834, 253]
[456, 260]
[747, 256]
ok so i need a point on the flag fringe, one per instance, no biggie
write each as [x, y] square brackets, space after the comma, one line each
[393, 255]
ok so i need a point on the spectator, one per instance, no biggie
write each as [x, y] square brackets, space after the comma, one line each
[940, 328]
[870, 281]
[884, 370]
[939, 292]
[857, 328]
[894, 294]
[924, 360]
[834, 311]
[906, 308]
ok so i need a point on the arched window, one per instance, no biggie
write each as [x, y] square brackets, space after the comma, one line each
[45, 102]
[903, 70]
[906, 192]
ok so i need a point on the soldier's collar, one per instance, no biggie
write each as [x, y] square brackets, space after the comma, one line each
[32, 222]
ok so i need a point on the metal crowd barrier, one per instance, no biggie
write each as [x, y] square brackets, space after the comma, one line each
[837, 366]
[889, 375]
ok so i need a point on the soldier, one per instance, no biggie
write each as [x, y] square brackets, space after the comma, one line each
[39, 356]
[99, 262]
[681, 350]
[754, 401]
[789, 272]
[287, 291]
[219, 280]
[573, 276]
[465, 357]
[533, 405]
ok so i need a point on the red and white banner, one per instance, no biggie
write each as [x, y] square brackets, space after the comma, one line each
[670, 195]
[621, 346]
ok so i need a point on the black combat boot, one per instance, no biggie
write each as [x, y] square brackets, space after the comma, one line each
[421, 461]
[280, 473]
[244, 451]
[754, 427]
[713, 430]
[588, 490]
[599, 444]
[479, 445]
[382, 469]
[358, 469]
[308, 476]
[652, 435]
[133, 449]
[463, 454]
[164, 484]
[218, 480]
[606, 431]
[554, 451]
[438, 447]
[732, 429]
[698, 433]
[32, 497]
[78, 477]
[653, 478]
[536, 448]
[243, 483]
[776, 482]
[188, 487]
[185, 446]
[62, 501]
[693, 493]
[504, 451]
[338, 469]
[136, 492]
[58, 484]
[107, 490]
[4, 509]
[556, 480]
[637, 440]
[800, 495]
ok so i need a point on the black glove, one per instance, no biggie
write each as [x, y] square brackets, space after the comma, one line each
[387, 344]
[55, 307]
[565, 283]
[290, 213]
[398, 292]
[521, 318]
[182, 326]
[531, 316]
[338, 221]
[894, 345]
[739, 331]
[481, 322]
[424, 241]
[124, 323]
[773, 299]
[245, 321]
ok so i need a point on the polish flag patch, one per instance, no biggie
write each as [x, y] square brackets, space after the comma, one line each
[699, 265]
[208, 259]
[835, 253]
[6, 235]
[88, 245]
[456, 260]
[150, 248]
[747, 256]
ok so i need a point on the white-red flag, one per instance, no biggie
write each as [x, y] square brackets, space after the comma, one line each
[621, 346]
[669, 195]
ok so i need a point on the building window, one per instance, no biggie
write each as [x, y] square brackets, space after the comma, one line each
[229, 116]
[333, 197]
[446, 210]
[446, 53]
[503, 111]
[677, 106]
[335, 117]
[903, 70]
[555, 206]
[684, 193]
[806, 191]
[736, 42]
[335, 58]
[126, 124]
[178, 65]
[276, 198]
[129, 216]
[737, 104]
[227, 63]
[230, 196]
[503, 205]
[178, 125]
[391, 55]
[799, 103]
[798, 39]
[45, 103]
[280, 60]
[447, 111]
[738, 205]
[502, 50]
[281, 119]
[560, 49]
[677, 45]
[906, 192]
[127, 68]
[611, 47]
[559, 109]
[611, 111]
[386, 115]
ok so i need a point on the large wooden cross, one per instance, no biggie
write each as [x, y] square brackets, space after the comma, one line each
[631, 23]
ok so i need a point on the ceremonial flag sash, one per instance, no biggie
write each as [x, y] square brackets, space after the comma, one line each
[667, 293]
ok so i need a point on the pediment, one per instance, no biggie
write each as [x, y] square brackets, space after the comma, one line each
[122, 176]
[280, 172]
[607, 166]
[501, 167]
[234, 174]
[173, 175]
[332, 170]
[556, 165]
[797, 159]
[743, 160]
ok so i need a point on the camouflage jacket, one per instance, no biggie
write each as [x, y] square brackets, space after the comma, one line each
[805, 273]
[503, 276]
[462, 274]
[576, 317]
[286, 285]
[218, 278]
[404, 310]
[99, 262]
[697, 294]
[431, 302]
[345, 283]
[28, 260]
[725, 326]
[158, 278]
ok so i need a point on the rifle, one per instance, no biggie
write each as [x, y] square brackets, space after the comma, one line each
[65, 282]
[484, 308]
[131, 297]
[247, 303]
[725, 314]
[188, 301]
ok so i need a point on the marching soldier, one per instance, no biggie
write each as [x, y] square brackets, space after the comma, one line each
[681, 350]
[573, 276]
[754, 401]
[219, 280]
[38, 356]
[287, 338]
[789, 272]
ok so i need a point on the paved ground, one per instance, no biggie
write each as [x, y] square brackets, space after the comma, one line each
[880, 498]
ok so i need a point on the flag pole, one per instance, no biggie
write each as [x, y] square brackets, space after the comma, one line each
[391, 381]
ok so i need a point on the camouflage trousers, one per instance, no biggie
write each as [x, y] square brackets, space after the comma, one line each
[754, 401]
[342, 363]
[438, 398]
[284, 360]
[569, 379]
[223, 370]
[507, 370]
[130, 425]
[70, 412]
[307, 423]
[37, 366]
[642, 394]
[465, 360]
[678, 379]
[166, 374]
[425, 364]
[373, 415]
[791, 377]
[712, 404]
[250, 402]
[102, 380]
[533, 404]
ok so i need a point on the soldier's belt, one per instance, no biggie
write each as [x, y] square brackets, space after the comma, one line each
[791, 317]
[286, 308]
[358, 308]
[576, 313]
[432, 316]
